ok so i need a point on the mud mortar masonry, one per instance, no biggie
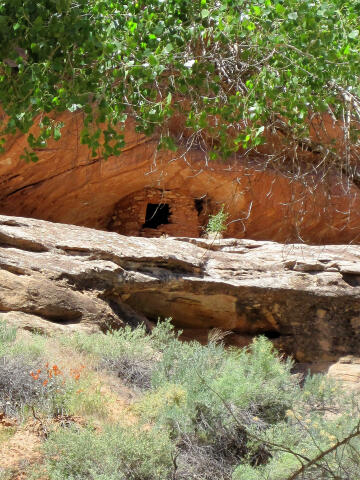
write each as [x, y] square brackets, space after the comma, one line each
[154, 212]
[61, 277]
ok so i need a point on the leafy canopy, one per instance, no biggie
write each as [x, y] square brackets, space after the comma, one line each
[229, 68]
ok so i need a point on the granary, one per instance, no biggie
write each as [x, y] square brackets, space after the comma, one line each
[153, 212]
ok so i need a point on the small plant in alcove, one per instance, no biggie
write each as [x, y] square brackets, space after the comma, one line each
[217, 222]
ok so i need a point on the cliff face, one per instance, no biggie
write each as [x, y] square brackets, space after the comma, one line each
[61, 277]
[68, 186]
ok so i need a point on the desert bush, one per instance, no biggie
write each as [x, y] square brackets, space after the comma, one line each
[116, 453]
[80, 394]
[213, 413]
[254, 382]
[26, 387]
[192, 382]
[19, 365]
[33, 348]
[7, 333]
[129, 353]
[126, 352]
[18, 389]
[318, 451]
[9, 345]
[242, 413]
[217, 222]
[323, 418]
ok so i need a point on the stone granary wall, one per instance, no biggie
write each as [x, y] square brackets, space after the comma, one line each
[153, 212]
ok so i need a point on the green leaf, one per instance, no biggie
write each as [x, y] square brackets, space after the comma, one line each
[152, 60]
[111, 57]
[280, 9]
[132, 26]
[353, 34]
[346, 50]
[205, 13]
[250, 26]
[169, 47]
[57, 133]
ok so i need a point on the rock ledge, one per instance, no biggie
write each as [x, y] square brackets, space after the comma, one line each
[305, 298]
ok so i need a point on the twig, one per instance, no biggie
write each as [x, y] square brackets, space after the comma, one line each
[300, 457]
[43, 428]
[321, 455]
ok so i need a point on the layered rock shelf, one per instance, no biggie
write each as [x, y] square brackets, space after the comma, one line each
[60, 277]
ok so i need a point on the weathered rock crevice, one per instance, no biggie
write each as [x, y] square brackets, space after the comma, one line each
[351, 279]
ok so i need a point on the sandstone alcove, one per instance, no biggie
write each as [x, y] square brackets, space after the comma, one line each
[66, 185]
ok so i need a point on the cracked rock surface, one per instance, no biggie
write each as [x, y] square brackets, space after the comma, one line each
[63, 277]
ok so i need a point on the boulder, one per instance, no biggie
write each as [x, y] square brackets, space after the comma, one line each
[347, 371]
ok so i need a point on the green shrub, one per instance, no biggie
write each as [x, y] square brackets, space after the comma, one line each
[33, 348]
[192, 384]
[7, 336]
[218, 413]
[130, 353]
[254, 381]
[78, 397]
[225, 408]
[257, 381]
[117, 453]
[7, 333]
[126, 352]
[217, 222]
[9, 346]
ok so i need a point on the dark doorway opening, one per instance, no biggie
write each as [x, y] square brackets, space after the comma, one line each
[271, 334]
[199, 205]
[156, 214]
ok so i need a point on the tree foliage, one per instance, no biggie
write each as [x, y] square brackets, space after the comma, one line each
[231, 69]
